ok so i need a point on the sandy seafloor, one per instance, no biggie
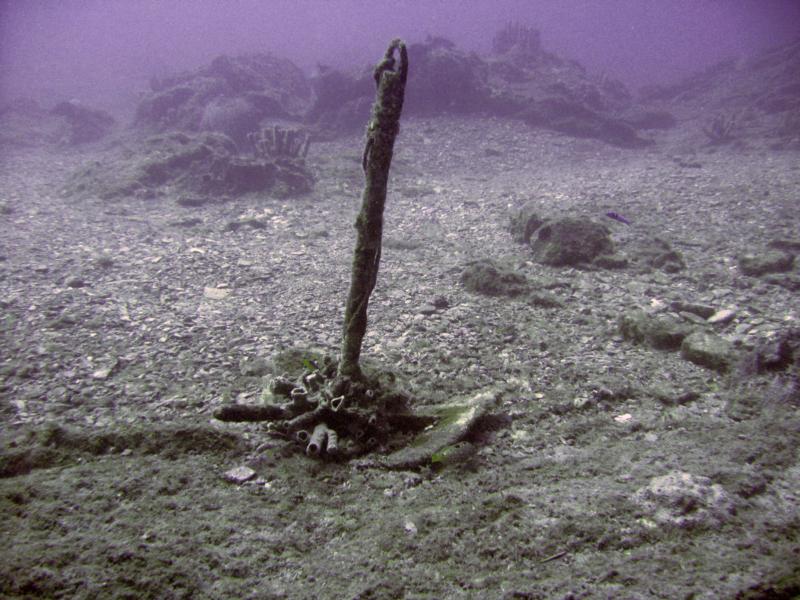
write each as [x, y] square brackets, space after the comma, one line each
[108, 325]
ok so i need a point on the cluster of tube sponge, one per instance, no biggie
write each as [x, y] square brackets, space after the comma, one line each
[321, 438]
[316, 419]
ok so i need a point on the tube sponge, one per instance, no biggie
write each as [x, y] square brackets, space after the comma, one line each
[317, 441]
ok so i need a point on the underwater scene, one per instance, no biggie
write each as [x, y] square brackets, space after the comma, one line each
[413, 300]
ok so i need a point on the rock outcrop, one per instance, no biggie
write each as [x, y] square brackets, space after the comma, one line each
[232, 95]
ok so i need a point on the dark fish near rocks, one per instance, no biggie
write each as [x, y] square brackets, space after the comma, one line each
[617, 217]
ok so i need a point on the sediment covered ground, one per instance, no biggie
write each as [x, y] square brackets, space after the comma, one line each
[616, 470]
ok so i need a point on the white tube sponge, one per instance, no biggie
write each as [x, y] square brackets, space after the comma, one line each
[317, 441]
[333, 442]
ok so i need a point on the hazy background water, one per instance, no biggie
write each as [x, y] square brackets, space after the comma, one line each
[103, 52]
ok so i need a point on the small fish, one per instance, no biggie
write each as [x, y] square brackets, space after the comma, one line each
[617, 217]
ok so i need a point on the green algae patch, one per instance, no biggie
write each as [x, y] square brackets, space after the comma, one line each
[453, 423]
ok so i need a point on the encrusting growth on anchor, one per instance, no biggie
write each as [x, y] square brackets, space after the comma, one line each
[383, 128]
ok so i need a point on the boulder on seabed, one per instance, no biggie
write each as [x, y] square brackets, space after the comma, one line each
[708, 350]
[662, 332]
[519, 80]
[490, 278]
[231, 95]
[571, 242]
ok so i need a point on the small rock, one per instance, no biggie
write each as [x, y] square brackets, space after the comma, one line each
[410, 527]
[669, 261]
[723, 316]
[252, 223]
[239, 475]
[426, 309]
[104, 261]
[788, 281]
[213, 293]
[411, 479]
[101, 373]
[492, 279]
[707, 350]
[633, 325]
[75, 282]
[703, 311]
[656, 253]
[777, 353]
[684, 500]
[672, 397]
[440, 302]
[544, 300]
[663, 332]
[773, 261]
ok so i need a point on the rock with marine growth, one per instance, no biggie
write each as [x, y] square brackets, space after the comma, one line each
[231, 95]
[662, 332]
[707, 350]
[772, 261]
[492, 279]
[686, 501]
[442, 441]
[571, 242]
